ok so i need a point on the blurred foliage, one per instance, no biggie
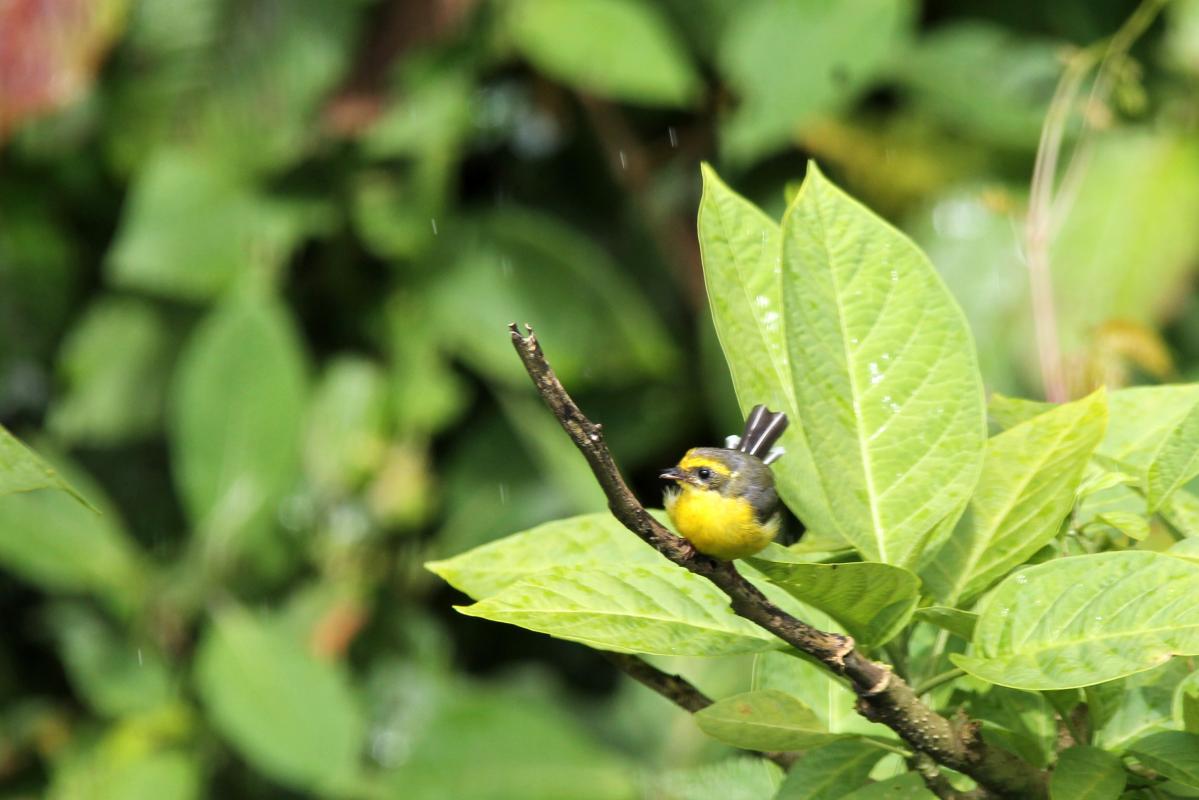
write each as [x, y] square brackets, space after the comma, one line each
[256, 259]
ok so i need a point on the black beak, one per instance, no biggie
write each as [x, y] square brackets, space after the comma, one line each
[672, 474]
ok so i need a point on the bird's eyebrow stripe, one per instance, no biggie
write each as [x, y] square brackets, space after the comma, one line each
[695, 462]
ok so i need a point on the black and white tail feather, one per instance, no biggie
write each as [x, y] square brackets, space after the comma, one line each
[762, 429]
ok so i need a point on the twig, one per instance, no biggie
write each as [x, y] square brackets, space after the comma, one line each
[882, 696]
[677, 690]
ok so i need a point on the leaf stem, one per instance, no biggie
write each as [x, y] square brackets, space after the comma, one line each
[936, 680]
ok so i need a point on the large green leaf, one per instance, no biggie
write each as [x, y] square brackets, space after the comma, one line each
[884, 373]
[1130, 708]
[618, 48]
[1030, 474]
[794, 60]
[1176, 460]
[739, 246]
[290, 715]
[590, 539]
[236, 418]
[660, 609]
[1174, 754]
[1086, 773]
[872, 601]
[764, 720]
[1079, 621]
[828, 772]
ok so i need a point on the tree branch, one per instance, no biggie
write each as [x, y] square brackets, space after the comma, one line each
[882, 695]
[677, 690]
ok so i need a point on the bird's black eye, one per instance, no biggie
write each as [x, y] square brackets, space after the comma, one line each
[703, 473]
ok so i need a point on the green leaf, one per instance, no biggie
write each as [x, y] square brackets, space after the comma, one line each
[1008, 412]
[959, 623]
[110, 772]
[236, 417]
[908, 786]
[791, 62]
[291, 716]
[763, 720]
[985, 80]
[659, 609]
[1176, 460]
[731, 779]
[1086, 773]
[1079, 621]
[828, 772]
[1181, 511]
[1134, 526]
[828, 697]
[191, 228]
[1124, 710]
[113, 363]
[22, 470]
[620, 49]
[1185, 703]
[346, 430]
[1027, 488]
[884, 373]
[54, 541]
[590, 539]
[1019, 722]
[1173, 754]
[499, 745]
[872, 601]
[739, 246]
[116, 676]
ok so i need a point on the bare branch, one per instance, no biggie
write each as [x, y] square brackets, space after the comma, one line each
[882, 695]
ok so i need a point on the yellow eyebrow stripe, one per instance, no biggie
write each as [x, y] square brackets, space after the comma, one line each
[695, 462]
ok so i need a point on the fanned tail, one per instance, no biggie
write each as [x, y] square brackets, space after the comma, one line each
[762, 429]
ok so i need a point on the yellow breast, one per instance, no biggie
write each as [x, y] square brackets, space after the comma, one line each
[719, 526]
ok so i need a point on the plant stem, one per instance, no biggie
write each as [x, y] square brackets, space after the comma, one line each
[936, 680]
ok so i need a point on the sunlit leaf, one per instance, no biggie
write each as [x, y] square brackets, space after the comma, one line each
[291, 716]
[1008, 412]
[591, 539]
[658, 609]
[763, 720]
[1085, 620]
[872, 601]
[739, 246]
[1027, 488]
[884, 374]
[1176, 460]
[617, 48]
[1086, 773]
[1134, 526]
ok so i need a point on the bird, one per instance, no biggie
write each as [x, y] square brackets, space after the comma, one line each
[723, 499]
